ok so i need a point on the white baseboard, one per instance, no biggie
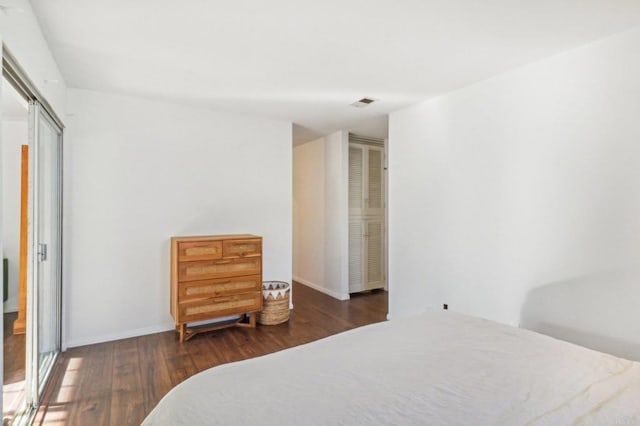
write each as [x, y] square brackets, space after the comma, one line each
[321, 289]
[83, 341]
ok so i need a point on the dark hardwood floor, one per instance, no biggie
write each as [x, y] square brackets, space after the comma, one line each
[119, 383]
[14, 358]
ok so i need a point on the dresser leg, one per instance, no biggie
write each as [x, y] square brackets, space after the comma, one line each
[183, 331]
[252, 320]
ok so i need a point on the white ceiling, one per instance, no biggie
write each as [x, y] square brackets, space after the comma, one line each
[306, 61]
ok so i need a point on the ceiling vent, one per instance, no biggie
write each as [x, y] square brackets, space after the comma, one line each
[363, 102]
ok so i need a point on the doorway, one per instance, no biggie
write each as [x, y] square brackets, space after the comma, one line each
[328, 244]
[32, 240]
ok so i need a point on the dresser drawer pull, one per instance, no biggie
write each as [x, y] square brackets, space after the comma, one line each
[222, 262]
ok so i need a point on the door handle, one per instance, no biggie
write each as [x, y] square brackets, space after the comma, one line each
[42, 252]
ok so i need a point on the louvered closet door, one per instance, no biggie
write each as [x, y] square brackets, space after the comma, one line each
[356, 179]
[374, 179]
[366, 217]
[356, 251]
[366, 255]
[374, 246]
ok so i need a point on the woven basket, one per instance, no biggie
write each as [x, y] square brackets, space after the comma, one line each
[275, 309]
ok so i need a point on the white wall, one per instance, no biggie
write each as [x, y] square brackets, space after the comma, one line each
[320, 191]
[308, 213]
[524, 182]
[14, 135]
[140, 172]
[336, 208]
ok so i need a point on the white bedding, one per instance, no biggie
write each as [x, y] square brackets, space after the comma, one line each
[435, 369]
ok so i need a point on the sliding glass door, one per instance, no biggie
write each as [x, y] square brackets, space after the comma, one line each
[44, 291]
[41, 237]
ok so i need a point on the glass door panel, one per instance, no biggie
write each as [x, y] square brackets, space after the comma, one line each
[48, 246]
[44, 283]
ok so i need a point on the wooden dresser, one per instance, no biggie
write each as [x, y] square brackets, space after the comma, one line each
[213, 277]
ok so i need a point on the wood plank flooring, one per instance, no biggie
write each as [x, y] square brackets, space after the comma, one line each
[119, 383]
[14, 358]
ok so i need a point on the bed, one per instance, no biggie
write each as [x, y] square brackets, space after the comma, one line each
[436, 369]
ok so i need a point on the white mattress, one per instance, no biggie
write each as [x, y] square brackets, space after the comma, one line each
[436, 369]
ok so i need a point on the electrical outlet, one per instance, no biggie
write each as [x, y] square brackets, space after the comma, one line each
[445, 306]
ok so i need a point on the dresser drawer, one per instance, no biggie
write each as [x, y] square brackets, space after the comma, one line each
[199, 250]
[198, 310]
[242, 248]
[191, 290]
[205, 269]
